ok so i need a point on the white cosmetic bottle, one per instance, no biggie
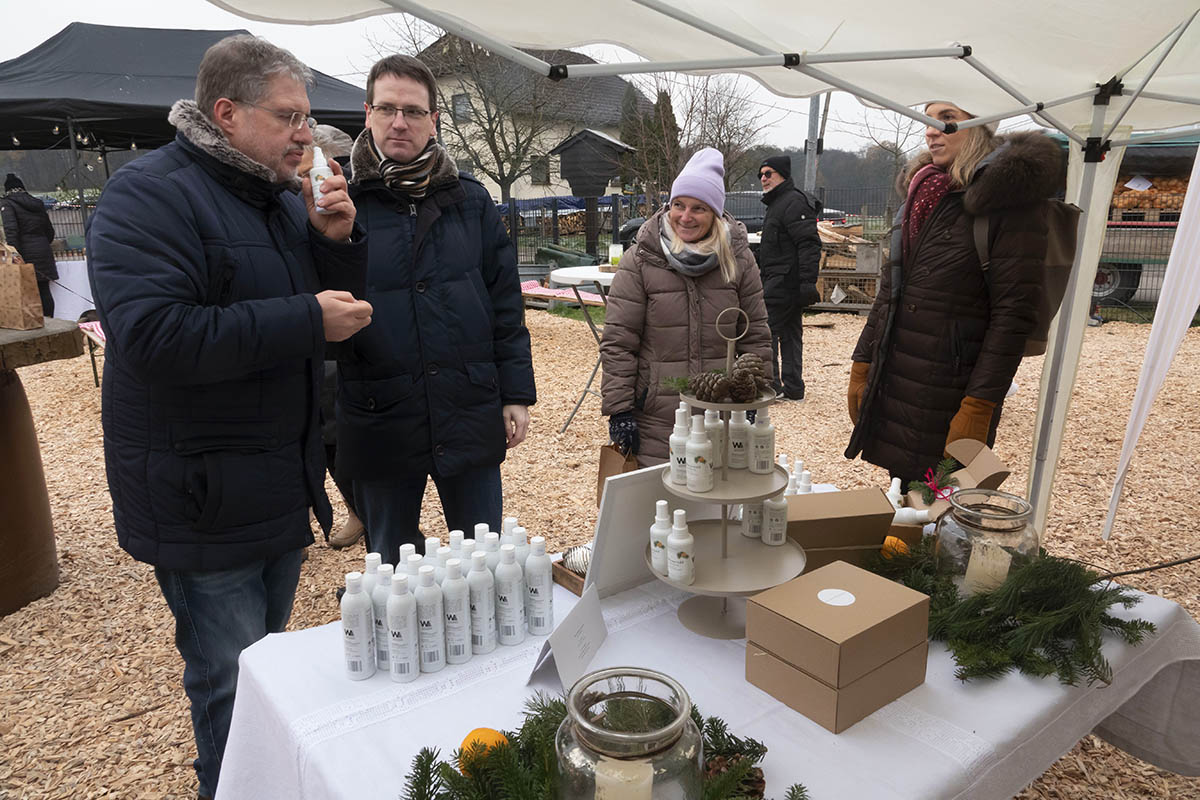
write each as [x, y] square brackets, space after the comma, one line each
[677, 444]
[762, 444]
[431, 623]
[506, 529]
[791, 486]
[358, 626]
[520, 541]
[659, 532]
[699, 458]
[456, 546]
[775, 520]
[681, 565]
[482, 587]
[782, 460]
[539, 589]
[491, 546]
[752, 520]
[379, 598]
[413, 567]
[469, 546]
[715, 428]
[319, 172]
[371, 573]
[407, 549]
[739, 441]
[444, 554]
[510, 597]
[481, 529]
[404, 662]
[456, 604]
[894, 495]
[804, 483]
[432, 543]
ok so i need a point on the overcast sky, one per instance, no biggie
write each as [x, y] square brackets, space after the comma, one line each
[344, 51]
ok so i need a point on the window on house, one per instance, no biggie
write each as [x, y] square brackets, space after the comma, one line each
[539, 171]
[460, 107]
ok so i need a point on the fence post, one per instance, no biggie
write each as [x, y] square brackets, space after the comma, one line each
[591, 224]
[616, 218]
[554, 221]
[513, 221]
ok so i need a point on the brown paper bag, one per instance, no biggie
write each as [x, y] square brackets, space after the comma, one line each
[612, 462]
[20, 303]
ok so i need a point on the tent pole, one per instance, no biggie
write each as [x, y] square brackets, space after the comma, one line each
[1014, 92]
[78, 177]
[1158, 137]
[1120, 76]
[104, 160]
[640, 67]
[810, 144]
[471, 33]
[1172, 98]
[1032, 108]
[1157, 63]
[1053, 405]
[866, 94]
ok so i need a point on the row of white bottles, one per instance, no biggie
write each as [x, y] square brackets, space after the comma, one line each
[672, 546]
[766, 520]
[386, 626]
[695, 453]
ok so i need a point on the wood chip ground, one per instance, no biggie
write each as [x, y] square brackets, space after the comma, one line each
[91, 702]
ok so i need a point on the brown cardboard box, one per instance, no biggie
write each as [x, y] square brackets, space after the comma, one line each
[837, 643]
[982, 469]
[839, 526]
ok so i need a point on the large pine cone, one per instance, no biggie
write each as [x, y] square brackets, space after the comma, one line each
[742, 386]
[709, 386]
[753, 364]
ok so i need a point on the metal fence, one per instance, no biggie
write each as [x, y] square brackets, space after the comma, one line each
[557, 222]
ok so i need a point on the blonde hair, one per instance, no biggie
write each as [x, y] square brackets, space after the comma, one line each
[979, 142]
[717, 241]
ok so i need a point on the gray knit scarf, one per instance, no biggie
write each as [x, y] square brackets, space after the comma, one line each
[412, 178]
[688, 262]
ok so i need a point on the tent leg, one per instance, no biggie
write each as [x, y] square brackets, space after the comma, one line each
[78, 177]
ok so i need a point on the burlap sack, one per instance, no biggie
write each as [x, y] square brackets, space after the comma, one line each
[20, 303]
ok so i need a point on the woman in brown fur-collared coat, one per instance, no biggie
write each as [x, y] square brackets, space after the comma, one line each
[690, 262]
[942, 342]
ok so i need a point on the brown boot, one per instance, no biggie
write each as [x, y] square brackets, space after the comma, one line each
[348, 534]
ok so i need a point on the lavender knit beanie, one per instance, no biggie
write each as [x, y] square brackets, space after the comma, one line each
[703, 177]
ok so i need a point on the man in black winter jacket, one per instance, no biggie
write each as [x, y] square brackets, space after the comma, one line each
[439, 386]
[27, 227]
[788, 259]
[208, 259]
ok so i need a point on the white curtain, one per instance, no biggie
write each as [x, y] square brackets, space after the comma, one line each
[1177, 304]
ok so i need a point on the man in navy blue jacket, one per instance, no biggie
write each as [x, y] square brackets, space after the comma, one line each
[439, 386]
[207, 260]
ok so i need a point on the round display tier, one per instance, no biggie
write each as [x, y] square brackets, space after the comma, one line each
[750, 567]
[743, 486]
[765, 399]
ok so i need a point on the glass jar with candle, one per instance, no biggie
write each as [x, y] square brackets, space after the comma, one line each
[983, 536]
[629, 735]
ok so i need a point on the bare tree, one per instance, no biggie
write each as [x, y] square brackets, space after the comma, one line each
[886, 136]
[654, 135]
[502, 119]
[720, 111]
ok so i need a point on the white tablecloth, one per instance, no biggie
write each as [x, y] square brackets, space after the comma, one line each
[302, 731]
[71, 292]
[576, 276]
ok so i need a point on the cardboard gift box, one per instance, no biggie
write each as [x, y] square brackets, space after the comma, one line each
[837, 644]
[982, 469]
[839, 526]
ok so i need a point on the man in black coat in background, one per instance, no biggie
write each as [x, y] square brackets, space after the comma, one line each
[27, 227]
[788, 258]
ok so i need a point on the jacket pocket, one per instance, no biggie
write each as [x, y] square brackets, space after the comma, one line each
[366, 398]
[956, 348]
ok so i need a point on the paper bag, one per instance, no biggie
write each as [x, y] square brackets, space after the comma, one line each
[20, 303]
[612, 462]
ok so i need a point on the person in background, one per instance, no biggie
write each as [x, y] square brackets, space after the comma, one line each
[207, 259]
[691, 261]
[943, 341]
[789, 258]
[439, 386]
[27, 227]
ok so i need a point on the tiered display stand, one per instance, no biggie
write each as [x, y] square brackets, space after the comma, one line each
[730, 566]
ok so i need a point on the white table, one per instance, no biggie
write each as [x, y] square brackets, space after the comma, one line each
[72, 292]
[302, 731]
[575, 277]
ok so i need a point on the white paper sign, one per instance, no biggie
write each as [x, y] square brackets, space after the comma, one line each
[1138, 183]
[838, 294]
[575, 640]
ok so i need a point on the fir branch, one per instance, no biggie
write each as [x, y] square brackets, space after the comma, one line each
[796, 792]
[424, 781]
[718, 741]
[676, 385]
[725, 785]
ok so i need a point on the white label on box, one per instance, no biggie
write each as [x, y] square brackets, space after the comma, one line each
[987, 568]
[835, 597]
[1138, 183]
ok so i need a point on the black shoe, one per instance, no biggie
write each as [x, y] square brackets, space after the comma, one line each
[341, 590]
[789, 394]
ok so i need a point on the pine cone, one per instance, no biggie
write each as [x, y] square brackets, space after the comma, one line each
[705, 386]
[751, 362]
[742, 386]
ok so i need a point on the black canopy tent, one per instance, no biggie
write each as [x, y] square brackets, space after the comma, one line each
[115, 85]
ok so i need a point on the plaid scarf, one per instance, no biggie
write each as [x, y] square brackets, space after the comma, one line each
[412, 178]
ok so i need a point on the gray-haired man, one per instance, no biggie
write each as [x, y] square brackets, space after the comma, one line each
[207, 259]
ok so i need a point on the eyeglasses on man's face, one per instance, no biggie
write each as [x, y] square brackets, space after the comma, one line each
[766, 173]
[294, 119]
[411, 113]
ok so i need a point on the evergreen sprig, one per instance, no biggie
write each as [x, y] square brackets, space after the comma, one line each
[526, 768]
[1047, 618]
[941, 476]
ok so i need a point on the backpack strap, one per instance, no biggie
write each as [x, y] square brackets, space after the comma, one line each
[979, 228]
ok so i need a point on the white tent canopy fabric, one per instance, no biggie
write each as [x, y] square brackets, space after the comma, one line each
[997, 60]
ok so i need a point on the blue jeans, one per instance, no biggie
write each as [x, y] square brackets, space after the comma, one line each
[391, 508]
[219, 613]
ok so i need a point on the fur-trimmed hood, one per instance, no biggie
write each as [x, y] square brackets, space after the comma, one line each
[364, 164]
[1025, 168]
[198, 129]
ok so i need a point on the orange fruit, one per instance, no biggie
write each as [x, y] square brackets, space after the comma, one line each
[893, 545]
[487, 737]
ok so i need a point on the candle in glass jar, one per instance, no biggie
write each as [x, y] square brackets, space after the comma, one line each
[624, 780]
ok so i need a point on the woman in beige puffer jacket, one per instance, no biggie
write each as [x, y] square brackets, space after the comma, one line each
[661, 322]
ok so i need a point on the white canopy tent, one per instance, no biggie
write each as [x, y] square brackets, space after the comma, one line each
[1096, 70]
